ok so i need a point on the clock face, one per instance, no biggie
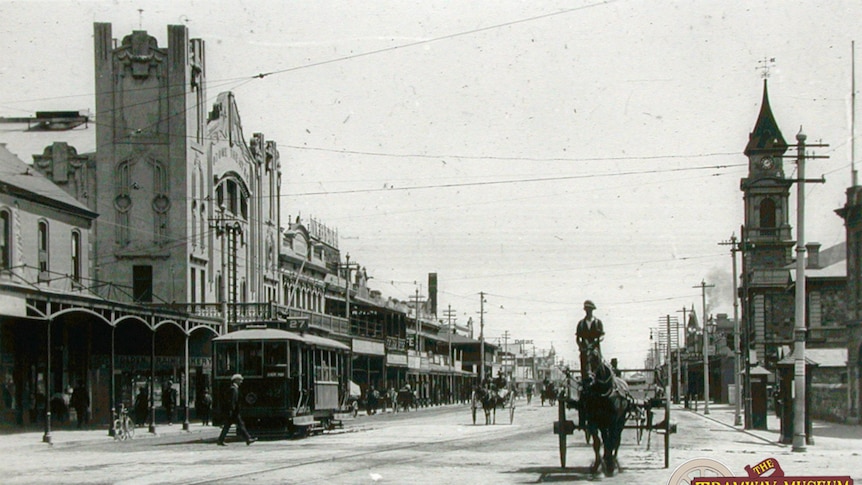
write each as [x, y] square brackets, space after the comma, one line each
[766, 163]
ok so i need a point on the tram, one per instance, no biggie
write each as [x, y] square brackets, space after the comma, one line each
[294, 383]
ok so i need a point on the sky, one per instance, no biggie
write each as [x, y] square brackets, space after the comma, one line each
[542, 153]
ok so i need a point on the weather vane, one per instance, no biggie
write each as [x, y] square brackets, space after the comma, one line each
[764, 65]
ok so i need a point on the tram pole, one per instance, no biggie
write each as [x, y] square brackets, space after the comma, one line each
[667, 401]
[481, 337]
[703, 286]
[799, 329]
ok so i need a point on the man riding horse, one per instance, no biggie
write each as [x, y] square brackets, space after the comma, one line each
[604, 397]
[588, 334]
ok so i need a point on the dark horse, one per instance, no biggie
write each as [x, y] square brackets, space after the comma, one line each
[605, 401]
[549, 393]
[491, 399]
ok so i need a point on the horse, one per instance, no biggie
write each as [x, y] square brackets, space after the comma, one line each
[605, 402]
[404, 400]
[549, 393]
[490, 399]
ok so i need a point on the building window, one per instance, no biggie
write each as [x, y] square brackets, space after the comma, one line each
[142, 283]
[5, 239]
[203, 286]
[76, 256]
[767, 214]
[42, 242]
[194, 280]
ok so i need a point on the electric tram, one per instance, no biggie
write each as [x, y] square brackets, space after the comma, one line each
[294, 383]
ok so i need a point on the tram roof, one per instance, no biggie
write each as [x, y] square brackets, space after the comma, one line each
[278, 334]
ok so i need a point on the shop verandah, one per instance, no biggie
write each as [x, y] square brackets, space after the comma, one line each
[53, 341]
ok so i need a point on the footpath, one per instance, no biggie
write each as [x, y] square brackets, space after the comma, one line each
[825, 435]
[12, 441]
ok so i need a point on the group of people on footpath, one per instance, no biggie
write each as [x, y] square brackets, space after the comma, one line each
[62, 402]
[141, 405]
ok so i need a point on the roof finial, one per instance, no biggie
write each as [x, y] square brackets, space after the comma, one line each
[140, 19]
[764, 65]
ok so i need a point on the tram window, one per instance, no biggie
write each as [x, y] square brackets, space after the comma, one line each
[226, 355]
[323, 369]
[275, 358]
[250, 359]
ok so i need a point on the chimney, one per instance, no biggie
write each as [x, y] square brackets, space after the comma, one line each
[432, 293]
[813, 250]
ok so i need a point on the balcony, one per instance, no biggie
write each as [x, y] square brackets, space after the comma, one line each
[240, 313]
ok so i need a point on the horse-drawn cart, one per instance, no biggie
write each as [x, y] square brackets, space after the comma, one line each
[489, 399]
[603, 412]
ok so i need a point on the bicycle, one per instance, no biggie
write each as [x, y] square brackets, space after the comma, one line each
[124, 427]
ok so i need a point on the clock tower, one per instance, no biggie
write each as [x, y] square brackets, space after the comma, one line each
[767, 238]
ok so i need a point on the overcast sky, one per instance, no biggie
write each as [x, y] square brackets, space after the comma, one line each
[542, 152]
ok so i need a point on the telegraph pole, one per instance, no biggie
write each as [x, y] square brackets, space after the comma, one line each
[703, 286]
[737, 417]
[679, 387]
[227, 230]
[799, 329]
[481, 337]
[418, 325]
[449, 313]
[505, 352]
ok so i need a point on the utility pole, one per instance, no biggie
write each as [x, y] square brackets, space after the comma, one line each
[449, 313]
[346, 266]
[679, 391]
[418, 325]
[737, 370]
[745, 340]
[481, 337]
[505, 359]
[703, 286]
[227, 230]
[799, 328]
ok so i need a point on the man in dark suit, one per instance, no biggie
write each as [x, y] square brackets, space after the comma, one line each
[232, 405]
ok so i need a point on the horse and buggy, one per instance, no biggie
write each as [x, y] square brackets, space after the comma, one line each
[491, 396]
[606, 406]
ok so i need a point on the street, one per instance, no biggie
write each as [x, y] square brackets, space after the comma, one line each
[431, 445]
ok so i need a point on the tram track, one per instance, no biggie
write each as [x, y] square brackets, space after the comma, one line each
[351, 463]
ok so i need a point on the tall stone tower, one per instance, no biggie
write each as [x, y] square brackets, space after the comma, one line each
[150, 135]
[767, 238]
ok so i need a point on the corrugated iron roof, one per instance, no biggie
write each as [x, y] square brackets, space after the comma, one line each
[18, 174]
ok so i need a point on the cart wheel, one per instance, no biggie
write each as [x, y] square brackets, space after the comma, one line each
[512, 414]
[561, 416]
[474, 414]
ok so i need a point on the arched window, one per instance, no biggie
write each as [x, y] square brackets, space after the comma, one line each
[76, 256]
[767, 214]
[42, 242]
[5, 239]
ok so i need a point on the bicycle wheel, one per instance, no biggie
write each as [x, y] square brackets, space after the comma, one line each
[129, 426]
[119, 433]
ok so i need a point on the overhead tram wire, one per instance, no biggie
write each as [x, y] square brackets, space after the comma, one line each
[432, 40]
[513, 181]
[263, 75]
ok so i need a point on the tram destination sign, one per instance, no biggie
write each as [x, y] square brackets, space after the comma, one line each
[523, 342]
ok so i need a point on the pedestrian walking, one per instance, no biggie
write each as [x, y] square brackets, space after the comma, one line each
[204, 406]
[232, 402]
[169, 400]
[80, 400]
